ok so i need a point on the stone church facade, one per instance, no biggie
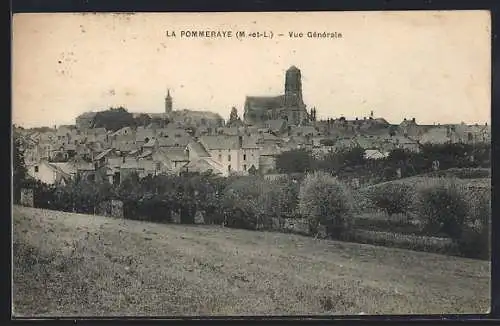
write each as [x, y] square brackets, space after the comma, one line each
[289, 106]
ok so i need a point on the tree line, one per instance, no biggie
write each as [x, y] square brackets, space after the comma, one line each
[351, 162]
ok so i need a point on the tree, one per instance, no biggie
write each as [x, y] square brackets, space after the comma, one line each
[114, 119]
[20, 171]
[142, 120]
[326, 201]
[294, 161]
[252, 170]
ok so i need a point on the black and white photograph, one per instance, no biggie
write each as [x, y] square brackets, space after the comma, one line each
[251, 164]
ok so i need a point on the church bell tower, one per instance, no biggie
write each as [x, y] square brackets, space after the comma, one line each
[168, 102]
[293, 87]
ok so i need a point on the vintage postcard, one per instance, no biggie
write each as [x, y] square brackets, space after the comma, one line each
[251, 164]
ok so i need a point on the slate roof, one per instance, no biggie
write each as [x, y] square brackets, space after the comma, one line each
[103, 154]
[130, 165]
[304, 130]
[228, 142]
[267, 102]
[146, 154]
[174, 154]
[203, 165]
[199, 149]
[270, 150]
[142, 134]
[231, 131]
[220, 142]
[174, 141]
[151, 143]
[275, 125]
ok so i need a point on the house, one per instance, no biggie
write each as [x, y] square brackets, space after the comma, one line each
[230, 131]
[267, 138]
[195, 150]
[204, 165]
[30, 148]
[171, 131]
[366, 142]
[63, 135]
[234, 153]
[110, 157]
[96, 135]
[299, 131]
[472, 134]
[144, 135]
[277, 126]
[374, 154]
[48, 173]
[173, 158]
[129, 168]
[267, 158]
[45, 150]
[437, 135]
[48, 137]
[151, 145]
[249, 154]
[77, 169]
[344, 144]
[405, 143]
[125, 146]
[298, 142]
[125, 134]
[177, 141]
[409, 128]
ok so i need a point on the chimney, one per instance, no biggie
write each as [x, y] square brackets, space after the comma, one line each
[240, 141]
[413, 119]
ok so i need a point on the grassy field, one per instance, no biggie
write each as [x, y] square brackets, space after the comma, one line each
[79, 265]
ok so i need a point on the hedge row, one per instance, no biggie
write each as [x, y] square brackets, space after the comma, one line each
[326, 203]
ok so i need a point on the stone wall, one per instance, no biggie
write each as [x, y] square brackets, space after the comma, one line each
[27, 198]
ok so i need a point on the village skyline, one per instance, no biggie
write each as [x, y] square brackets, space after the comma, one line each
[436, 68]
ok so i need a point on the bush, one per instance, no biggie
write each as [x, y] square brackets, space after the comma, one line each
[287, 190]
[393, 198]
[466, 173]
[240, 202]
[475, 241]
[324, 200]
[444, 207]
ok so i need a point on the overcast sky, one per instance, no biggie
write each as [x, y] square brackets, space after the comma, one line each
[434, 66]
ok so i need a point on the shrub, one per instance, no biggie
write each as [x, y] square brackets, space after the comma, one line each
[475, 241]
[287, 189]
[393, 198]
[324, 200]
[240, 202]
[294, 161]
[465, 173]
[444, 208]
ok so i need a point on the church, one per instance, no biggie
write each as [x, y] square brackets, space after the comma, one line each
[289, 106]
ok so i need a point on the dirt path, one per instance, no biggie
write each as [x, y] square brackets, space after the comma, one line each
[102, 266]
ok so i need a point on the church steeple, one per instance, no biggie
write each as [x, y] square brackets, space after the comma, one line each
[168, 102]
[293, 87]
